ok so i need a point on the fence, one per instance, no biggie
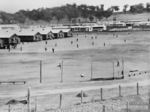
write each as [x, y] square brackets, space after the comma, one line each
[120, 99]
[56, 71]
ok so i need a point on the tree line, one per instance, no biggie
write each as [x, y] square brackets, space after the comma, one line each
[70, 12]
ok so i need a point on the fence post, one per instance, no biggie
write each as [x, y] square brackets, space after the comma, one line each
[91, 71]
[35, 105]
[149, 104]
[40, 71]
[127, 105]
[81, 96]
[20, 48]
[60, 103]
[120, 91]
[62, 71]
[113, 70]
[101, 93]
[123, 73]
[137, 88]
[92, 99]
[28, 99]
[103, 108]
[9, 108]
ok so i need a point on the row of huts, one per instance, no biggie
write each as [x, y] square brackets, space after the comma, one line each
[111, 25]
[13, 37]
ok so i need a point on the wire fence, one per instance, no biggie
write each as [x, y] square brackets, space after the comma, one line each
[120, 99]
[54, 71]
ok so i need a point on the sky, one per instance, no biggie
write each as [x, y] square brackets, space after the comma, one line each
[13, 6]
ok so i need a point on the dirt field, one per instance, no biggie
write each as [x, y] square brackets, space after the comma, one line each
[25, 65]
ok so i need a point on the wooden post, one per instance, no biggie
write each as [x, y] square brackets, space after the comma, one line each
[137, 88]
[101, 93]
[122, 67]
[9, 108]
[62, 71]
[127, 105]
[120, 91]
[9, 47]
[92, 99]
[113, 70]
[28, 99]
[91, 71]
[35, 105]
[60, 103]
[40, 71]
[81, 96]
[103, 108]
[149, 104]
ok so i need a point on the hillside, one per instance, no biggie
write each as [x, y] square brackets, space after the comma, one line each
[119, 17]
[125, 17]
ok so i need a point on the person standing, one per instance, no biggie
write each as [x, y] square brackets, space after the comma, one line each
[53, 50]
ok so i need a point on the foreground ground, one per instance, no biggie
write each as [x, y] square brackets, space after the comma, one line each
[102, 49]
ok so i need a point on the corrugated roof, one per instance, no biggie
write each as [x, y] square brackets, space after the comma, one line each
[65, 30]
[27, 32]
[5, 34]
[43, 30]
[55, 31]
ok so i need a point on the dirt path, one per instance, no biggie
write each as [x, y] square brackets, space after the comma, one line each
[45, 92]
[38, 92]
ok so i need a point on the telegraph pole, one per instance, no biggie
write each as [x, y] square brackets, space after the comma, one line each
[40, 71]
[91, 71]
[122, 67]
[113, 70]
[29, 100]
[62, 71]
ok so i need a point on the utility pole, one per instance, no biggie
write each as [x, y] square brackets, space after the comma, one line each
[36, 105]
[62, 71]
[91, 71]
[113, 70]
[122, 67]
[28, 99]
[40, 71]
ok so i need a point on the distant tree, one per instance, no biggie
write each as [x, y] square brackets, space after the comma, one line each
[115, 8]
[46, 15]
[92, 8]
[97, 8]
[70, 11]
[84, 11]
[99, 15]
[148, 7]
[108, 13]
[102, 7]
[6, 17]
[133, 9]
[91, 18]
[58, 14]
[139, 8]
[125, 8]
[35, 15]
[19, 17]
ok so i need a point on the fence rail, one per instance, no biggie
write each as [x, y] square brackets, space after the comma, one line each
[58, 102]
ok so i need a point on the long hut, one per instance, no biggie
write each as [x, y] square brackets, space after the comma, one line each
[58, 34]
[8, 39]
[29, 36]
[67, 33]
[46, 33]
